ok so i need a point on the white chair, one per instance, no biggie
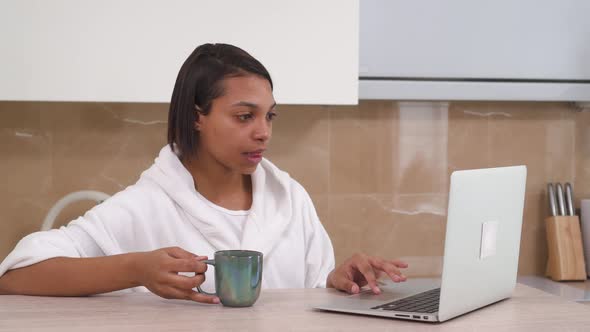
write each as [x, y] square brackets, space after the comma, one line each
[70, 198]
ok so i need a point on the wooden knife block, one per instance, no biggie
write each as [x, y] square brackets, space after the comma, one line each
[566, 254]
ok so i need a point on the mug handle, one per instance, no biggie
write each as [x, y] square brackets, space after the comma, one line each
[210, 262]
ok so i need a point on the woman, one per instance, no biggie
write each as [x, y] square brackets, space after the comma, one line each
[209, 189]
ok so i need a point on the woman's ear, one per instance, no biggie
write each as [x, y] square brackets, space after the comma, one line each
[198, 112]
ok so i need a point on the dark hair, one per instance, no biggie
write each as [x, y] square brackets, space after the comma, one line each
[198, 83]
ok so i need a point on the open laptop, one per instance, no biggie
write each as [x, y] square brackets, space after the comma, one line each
[480, 261]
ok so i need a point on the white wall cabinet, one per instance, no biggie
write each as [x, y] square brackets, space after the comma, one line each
[464, 49]
[131, 50]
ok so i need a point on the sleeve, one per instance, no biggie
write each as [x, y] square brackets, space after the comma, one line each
[70, 241]
[91, 235]
[319, 253]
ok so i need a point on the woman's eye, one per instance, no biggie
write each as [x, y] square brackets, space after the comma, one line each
[245, 117]
[271, 115]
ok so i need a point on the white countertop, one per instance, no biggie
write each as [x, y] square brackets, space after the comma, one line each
[289, 309]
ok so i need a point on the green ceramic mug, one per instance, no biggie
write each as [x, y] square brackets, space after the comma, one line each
[238, 277]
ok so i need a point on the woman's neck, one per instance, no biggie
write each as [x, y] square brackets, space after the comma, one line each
[220, 185]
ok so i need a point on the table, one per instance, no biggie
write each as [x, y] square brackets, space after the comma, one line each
[578, 291]
[529, 309]
[583, 285]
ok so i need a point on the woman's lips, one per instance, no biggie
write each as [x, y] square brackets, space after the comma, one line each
[253, 157]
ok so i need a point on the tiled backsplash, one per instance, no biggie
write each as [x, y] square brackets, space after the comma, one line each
[378, 172]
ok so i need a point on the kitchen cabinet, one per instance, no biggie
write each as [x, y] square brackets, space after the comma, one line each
[131, 51]
[475, 50]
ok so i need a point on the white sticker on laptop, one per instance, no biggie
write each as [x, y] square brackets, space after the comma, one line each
[489, 234]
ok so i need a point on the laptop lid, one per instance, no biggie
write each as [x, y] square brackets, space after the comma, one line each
[482, 240]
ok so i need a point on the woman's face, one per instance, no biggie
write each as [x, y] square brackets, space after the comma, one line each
[238, 128]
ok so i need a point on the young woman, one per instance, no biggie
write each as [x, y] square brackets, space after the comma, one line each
[209, 189]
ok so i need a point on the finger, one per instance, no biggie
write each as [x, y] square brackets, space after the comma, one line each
[184, 282]
[389, 268]
[399, 264]
[175, 293]
[366, 270]
[178, 252]
[203, 298]
[188, 265]
[343, 283]
[169, 292]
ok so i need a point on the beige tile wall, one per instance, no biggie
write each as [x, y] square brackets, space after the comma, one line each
[377, 172]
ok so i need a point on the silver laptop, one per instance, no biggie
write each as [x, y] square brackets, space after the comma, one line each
[480, 261]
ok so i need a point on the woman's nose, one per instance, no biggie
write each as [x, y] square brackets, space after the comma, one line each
[262, 131]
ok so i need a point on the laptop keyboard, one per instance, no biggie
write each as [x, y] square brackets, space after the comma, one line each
[426, 302]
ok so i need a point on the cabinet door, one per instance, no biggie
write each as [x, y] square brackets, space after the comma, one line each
[475, 50]
[465, 39]
[131, 51]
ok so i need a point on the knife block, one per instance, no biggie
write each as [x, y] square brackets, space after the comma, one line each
[566, 255]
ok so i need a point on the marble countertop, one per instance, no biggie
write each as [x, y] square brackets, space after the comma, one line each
[578, 291]
[529, 309]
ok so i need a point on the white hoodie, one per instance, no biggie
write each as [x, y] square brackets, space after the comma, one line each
[163, 209]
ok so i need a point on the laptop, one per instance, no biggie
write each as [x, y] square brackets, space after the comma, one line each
[480, 262]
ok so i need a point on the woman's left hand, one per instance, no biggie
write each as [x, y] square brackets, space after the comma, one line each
[360, 270]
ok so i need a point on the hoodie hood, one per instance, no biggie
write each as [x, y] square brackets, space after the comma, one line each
[270, 212]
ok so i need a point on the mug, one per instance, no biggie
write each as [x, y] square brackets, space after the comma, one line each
[238, 277]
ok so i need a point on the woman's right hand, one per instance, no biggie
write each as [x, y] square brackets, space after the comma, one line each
[158, 271]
